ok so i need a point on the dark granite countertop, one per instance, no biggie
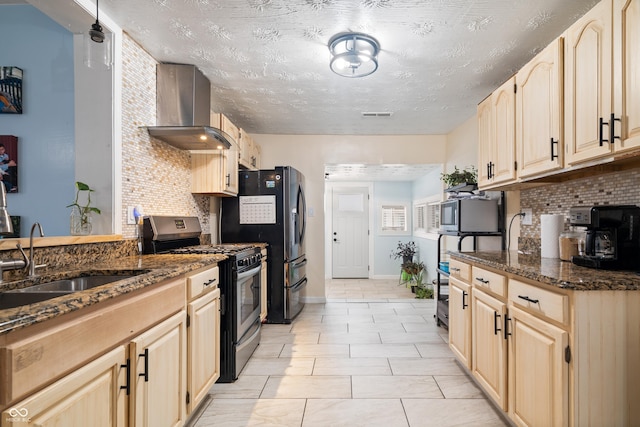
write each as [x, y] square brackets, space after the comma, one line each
[150, 269]
[554, 272]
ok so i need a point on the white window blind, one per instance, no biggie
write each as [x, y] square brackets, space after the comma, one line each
[420, 217]
[394, 218]
[433, 217]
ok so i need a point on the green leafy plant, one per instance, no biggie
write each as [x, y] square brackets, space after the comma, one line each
[85, 209]
[404, 250]
[468, 175]
[424, 292]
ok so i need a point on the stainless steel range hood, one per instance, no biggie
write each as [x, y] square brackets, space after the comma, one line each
[183, 110]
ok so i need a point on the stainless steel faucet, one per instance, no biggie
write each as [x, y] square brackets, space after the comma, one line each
[32, 264]
[13, 264]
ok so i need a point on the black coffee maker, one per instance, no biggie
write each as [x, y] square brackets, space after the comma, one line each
[612, 239]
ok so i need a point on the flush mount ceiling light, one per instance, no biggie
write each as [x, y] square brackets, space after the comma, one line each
[354, 54]
[96, 29]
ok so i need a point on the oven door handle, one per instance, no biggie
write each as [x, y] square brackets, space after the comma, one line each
[252, 272]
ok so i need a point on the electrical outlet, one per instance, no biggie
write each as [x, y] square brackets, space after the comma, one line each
[130, 218]
[527, 218]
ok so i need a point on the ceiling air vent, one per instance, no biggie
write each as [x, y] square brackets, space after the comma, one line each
[377, 114]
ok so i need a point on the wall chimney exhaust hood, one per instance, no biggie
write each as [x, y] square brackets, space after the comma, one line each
[183, 107]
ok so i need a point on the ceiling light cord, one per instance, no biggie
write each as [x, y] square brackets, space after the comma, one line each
[96, 33]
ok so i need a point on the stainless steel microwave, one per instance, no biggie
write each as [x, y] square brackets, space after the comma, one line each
[469, 215]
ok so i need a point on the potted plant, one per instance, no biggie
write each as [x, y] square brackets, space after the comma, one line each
[468, 175]
[424, 291]
[406, 251]
[412, 274]
[81, 213]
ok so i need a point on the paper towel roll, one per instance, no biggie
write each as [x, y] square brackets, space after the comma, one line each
[550, 228]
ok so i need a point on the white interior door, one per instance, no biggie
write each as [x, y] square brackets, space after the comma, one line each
[350, 234]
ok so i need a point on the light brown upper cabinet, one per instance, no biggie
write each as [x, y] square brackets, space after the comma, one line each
[496, 136]
[588, 100]
[223, 123]
[539, 113]
[601, 80]
[216, 173]
[249, 152]
[626, 24]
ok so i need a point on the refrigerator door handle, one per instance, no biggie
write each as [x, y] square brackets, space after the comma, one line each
[303, 210]
[298, 264]
[301, 284]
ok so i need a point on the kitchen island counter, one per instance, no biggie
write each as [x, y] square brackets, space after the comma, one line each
[148, 269]
[552, 271]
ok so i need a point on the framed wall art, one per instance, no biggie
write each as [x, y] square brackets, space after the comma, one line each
[9, 162]
[10, 90]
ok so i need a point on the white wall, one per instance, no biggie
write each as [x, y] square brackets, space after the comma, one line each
[309, 154]
[462, 151]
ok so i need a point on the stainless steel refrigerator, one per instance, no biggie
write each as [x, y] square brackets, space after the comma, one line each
[270, 208]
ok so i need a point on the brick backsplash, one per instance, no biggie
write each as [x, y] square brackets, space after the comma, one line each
[156, 176]
[607, 189]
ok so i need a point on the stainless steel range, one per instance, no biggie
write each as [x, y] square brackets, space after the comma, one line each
[239, 285]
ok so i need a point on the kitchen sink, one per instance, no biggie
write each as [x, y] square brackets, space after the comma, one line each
[72, 285]
[12, 299]
[56, 288]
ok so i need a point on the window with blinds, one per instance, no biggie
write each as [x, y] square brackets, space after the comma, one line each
[394, 218]
[426, 216]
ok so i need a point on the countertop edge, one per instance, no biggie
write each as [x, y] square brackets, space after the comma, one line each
[553, 272]
[12, 319]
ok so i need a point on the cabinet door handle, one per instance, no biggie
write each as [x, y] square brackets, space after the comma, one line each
[506, 326]
[207, 283]
[531, 300]
[145, 374]
[495, 323]
[553, 156]
[612, 128]
[228, 179]
[454, 269]
[464, 304]
[601, 139]
[481, 280]
[491, 167]
[127, 385]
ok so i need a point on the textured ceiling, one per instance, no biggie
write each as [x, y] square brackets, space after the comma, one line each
[268, 60]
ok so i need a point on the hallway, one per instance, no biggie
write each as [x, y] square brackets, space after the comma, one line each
[371, 356]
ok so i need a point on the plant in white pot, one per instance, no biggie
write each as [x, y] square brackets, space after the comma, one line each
[80, 223]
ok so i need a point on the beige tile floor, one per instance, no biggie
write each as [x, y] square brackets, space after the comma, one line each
[371, 356]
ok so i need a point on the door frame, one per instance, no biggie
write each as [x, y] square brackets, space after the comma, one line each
[328, 223]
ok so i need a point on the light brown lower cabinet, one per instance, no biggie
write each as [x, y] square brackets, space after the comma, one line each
[159, 371]
[93, 395]
[460, 320]
[99, 393]
[548, 356]
[263, 285]
[159, 381]
[538, 371]
[489, 346]
[203, 335]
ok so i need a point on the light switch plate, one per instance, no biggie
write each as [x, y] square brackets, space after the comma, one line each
[130, 218]
[527, 218]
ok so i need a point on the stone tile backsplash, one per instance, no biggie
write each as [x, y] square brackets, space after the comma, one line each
[156, 176]
[618, 188]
